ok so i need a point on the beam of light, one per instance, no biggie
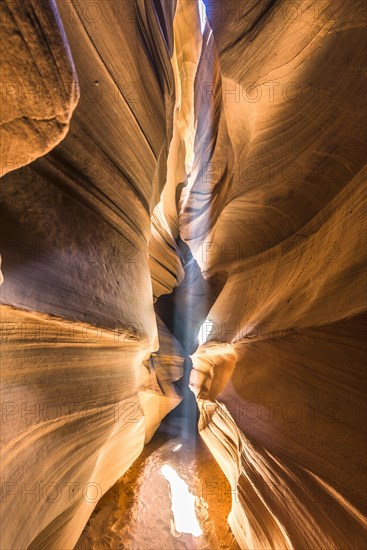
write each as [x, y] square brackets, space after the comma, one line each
[183, 503]
[204, 331]
[177, 447]
[202, 13]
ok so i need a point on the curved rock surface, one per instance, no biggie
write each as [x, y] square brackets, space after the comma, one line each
[288, 238]
[76, 228]
[39, 87]
[215, 176]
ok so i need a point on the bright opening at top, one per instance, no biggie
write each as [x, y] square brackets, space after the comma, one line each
[202, 13]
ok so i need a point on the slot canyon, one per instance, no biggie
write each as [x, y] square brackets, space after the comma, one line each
[183, 274]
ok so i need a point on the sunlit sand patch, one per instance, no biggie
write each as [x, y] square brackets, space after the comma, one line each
[183, 503]
[138, 513]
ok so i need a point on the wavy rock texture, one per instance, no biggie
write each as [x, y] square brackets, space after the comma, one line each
[76, 228]
[283, 190]
[277, 503]
[217, 176]
[64, 437]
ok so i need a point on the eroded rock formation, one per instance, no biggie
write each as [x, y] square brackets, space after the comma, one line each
[214, 176]
[39, 88]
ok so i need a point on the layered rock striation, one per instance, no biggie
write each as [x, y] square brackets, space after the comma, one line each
[216, 175]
